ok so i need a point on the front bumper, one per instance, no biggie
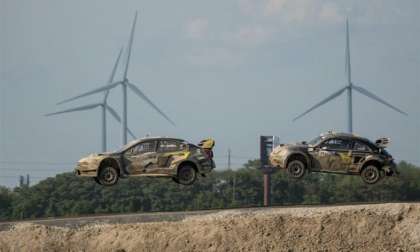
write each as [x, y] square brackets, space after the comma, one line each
[276, 161]
[78, 171]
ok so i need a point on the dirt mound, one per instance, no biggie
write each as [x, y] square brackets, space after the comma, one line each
[385, 227]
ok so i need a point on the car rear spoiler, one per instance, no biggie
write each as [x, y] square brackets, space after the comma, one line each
[207, 143]
[383, 142]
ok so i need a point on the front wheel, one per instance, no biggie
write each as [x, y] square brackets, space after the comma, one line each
[296, 169]
[108, 176]
[371, 174]
[186, 175]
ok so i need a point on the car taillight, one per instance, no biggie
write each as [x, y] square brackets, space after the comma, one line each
[209, 153]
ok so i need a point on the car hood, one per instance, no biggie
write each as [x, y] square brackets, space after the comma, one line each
[290, 147]
[295, 146]
[94, 156]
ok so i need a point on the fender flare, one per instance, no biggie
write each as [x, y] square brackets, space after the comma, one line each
[307, 159]
[371, 159]
[185, 162]
[111, 160]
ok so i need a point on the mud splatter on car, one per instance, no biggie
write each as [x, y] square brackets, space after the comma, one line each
[151, 157]
[341, 153]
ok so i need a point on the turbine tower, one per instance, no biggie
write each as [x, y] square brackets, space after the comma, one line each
[349, 88]
[104, 107]
[124, 84]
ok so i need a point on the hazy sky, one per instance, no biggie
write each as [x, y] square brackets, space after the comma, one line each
[232, 70]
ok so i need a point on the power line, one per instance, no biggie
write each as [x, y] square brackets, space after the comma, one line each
[237, 157]
[36, 169]
[228, 163]
[17, 176]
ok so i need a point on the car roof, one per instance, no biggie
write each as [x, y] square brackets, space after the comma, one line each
[331, 134]
[158, 138]
[140, 140]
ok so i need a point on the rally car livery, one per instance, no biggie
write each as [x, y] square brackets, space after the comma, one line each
[336, 153]
[153, 157]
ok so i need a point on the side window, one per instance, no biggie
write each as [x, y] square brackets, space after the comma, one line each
[337, 144]
[143, 148]
[359, 146]
[170, 146]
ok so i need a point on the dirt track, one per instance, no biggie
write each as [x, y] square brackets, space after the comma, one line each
[384, 227]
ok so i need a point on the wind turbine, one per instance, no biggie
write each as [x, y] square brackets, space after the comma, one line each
[103, 105]
[349, 88]
[124, 84]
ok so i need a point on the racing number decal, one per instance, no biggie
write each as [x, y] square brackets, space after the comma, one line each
[345, 158]
[324, 153]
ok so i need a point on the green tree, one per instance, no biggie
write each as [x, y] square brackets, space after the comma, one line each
[5, 202]
[68, 195]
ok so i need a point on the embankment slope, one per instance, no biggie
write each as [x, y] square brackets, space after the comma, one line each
[382, 227]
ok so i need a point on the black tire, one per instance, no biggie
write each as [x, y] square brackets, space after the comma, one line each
[296, 168]
[186, 175]
[108, 176]
[371, 174]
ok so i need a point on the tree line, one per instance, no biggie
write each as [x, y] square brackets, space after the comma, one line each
[68, 195]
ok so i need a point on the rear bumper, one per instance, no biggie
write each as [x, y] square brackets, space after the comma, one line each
[206, 166]
[391, 169]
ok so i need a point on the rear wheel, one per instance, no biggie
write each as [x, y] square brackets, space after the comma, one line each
[186, 175]
[108, 176]
[296, 168]
[371, 174]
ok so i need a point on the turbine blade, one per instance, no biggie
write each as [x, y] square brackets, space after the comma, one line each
[376, 98]
[85, 107]
[329, 98]
[117, 117]
[130, 45]
[114, 69]
[113, 113]
[138, 92]
[131, 133]
[96, 90]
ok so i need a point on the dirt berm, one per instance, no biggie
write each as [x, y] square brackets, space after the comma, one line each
[384, 227]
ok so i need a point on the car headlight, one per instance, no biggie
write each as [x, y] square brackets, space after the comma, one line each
[83, 164]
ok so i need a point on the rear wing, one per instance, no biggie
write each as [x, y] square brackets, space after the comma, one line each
[207, 143]
[383, 142]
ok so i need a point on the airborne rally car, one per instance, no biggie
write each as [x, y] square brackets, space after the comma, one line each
[152, 157]
[336, 153]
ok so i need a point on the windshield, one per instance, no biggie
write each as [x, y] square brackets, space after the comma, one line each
[315, 141]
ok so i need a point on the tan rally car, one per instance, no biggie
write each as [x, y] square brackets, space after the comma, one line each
[341, 153]
[153, 157]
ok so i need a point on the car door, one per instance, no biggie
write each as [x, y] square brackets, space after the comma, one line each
[141, 157]
[167, 150]
[333, 155]
[360, 151]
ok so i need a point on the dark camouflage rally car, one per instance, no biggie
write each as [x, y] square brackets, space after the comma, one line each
[336, 153]
[153, 157]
